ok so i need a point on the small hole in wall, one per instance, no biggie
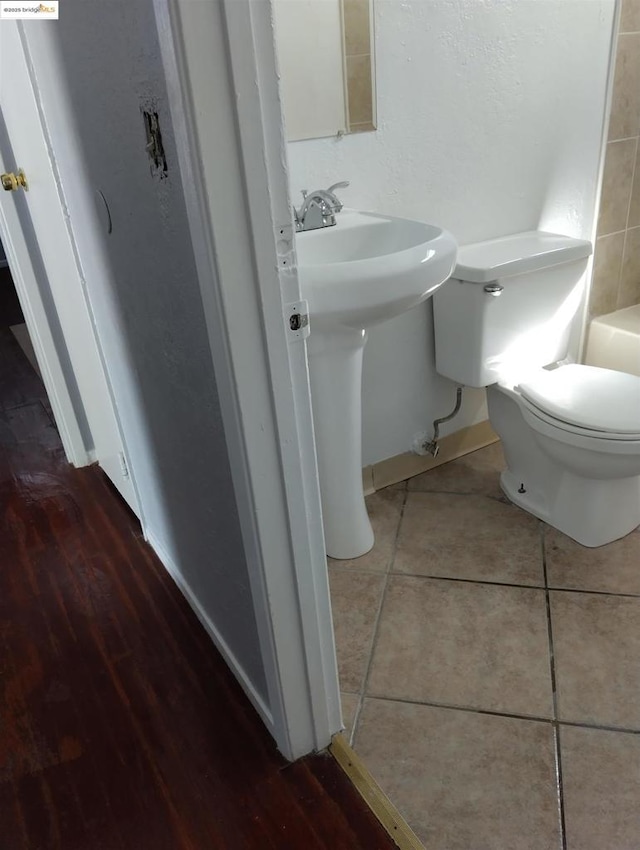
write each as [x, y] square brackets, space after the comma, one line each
[154, 146]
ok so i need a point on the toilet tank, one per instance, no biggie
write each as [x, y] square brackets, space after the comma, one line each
[509, 306]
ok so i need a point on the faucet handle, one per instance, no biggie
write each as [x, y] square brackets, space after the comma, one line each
[341, 185]
[305, 192]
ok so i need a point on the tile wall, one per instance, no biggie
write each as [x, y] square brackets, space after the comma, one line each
[616, 277]
[359, 64]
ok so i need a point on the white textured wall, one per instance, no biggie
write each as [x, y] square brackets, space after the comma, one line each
[490, 119]
[97, 67]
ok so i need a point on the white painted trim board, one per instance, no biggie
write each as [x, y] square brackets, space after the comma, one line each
[265, 429]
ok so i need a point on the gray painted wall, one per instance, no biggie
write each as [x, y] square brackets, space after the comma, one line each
[97, 68]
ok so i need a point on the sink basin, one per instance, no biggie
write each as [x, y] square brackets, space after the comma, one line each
[368, 268]
[363, 270]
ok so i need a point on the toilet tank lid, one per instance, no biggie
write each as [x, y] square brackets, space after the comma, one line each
[587, 396]
[519, 253]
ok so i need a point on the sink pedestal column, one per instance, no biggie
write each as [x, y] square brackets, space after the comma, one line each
[335, 368]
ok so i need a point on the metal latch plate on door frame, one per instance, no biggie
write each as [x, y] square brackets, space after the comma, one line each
[297, 320]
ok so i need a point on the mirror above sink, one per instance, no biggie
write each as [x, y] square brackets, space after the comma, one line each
[326, 61]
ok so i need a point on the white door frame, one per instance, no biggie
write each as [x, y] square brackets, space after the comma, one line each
[37, 321]
[47, 274]
[220, 64]
[36, 315]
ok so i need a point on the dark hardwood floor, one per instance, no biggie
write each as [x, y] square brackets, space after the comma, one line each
[10, 312]
[120, 725]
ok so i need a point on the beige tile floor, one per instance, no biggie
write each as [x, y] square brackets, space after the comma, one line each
[490, 668]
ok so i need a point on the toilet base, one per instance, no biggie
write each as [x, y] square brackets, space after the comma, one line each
[593, 513]
[542, 478]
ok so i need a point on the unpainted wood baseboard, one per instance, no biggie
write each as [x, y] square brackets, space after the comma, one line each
[373, 795]
[406, 465]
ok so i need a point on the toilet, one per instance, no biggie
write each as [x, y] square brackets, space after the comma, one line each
[570, 433]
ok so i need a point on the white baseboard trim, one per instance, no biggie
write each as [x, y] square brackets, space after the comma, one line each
[223, 648]
[399, 468]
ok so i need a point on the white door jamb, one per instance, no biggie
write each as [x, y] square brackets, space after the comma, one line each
[47, 270]
[37, 321]
[23, 254]
[223, 87]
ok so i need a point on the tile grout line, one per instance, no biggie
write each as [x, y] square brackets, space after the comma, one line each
[501, 499]
[633, 177]
[594, 592]
[521, 586]
[356, 716]
[554, 691]
[376, 626]
[626, 230]
[598, 727]
[533, 718]
[613, 232]
[469, 709]
[623, 139]
[364, 571]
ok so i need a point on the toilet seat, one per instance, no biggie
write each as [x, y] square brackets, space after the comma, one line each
[603, 440]
[585, 400]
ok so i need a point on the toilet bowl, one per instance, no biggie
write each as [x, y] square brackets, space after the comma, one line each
[571, 433]
[583, 481]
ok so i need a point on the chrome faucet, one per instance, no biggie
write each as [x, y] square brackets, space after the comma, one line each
[318, 208]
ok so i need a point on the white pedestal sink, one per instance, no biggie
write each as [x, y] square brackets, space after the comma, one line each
[365, 269]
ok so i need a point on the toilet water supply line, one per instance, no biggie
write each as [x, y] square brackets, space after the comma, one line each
[431, 446]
